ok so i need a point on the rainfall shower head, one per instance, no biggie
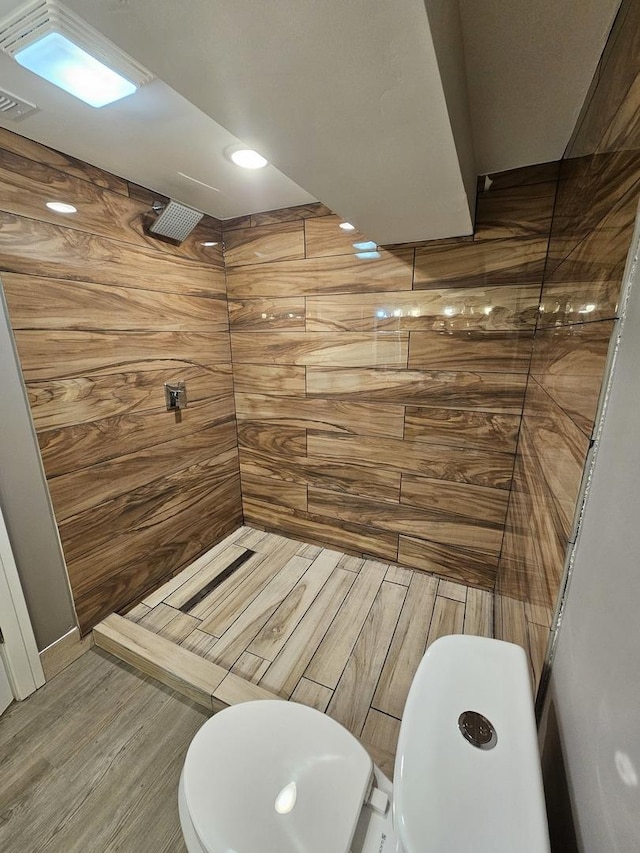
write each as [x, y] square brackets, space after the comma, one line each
[175, 222]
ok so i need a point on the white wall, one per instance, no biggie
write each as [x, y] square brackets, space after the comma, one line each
[594, 692]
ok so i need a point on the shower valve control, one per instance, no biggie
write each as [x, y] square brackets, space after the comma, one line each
[175, 395]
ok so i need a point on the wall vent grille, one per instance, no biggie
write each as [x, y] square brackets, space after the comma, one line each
[13, 107]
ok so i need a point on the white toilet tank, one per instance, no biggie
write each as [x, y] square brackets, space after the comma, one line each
[467, 772]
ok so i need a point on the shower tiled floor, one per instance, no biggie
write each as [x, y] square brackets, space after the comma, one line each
[261, 614]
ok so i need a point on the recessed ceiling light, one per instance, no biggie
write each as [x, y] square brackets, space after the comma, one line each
[248, 159]
[208, 244]
[347, 226]
[61, 207]
[53, 42]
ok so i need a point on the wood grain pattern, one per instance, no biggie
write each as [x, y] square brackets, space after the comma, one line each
[267, 438]
[340, 274]
[281, 492]
[499, 352]
[488, 392]
[285, 380]
[350, 706]
[311, 694]
[327, 415]
[456, 498]
[45, 303]
[488, 308]
[464, 564]
[79, 353]
[440, 527]
[39, 248]
[286, 214]
[341, 476]
[310, 348]
[464, 429]
[408, 646]
[287, 313]
[520, 211]
[264, 243]
[323, 237]
[458, 465]
[510, 260]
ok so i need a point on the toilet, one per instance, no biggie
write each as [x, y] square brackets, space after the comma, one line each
[279, 777]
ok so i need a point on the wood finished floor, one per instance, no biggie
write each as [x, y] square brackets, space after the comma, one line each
[91, 762]
[342, 634]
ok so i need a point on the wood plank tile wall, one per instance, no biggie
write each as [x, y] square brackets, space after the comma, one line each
[379, 391]
[592, 228]
[104, 315]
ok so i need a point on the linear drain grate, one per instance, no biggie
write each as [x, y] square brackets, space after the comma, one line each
[224, 574]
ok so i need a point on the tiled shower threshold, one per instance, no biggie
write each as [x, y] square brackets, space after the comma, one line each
[261, 616]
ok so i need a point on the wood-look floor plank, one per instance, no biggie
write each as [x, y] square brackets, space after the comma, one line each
[215, 566]
[449, 589]
[352, 697]
[330, 659]
[250, 667]
[199, 643]
[309, 693]
[381, 731]
[407, 647]
[352, 564]
[285, 672]
[244, 629]
[448, 618]
[221, 607]
[397, 574]
[114, 744]
[478, 614]
[269, 642]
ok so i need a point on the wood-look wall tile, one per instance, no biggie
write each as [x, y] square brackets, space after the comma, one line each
[280, 492]
[45, 303]
[135, 524]
[511, 260]
[455, 498]
[280, 380]
[69, 448]
[500, 352]
[215, 516]
[403, 518]
[323, 473]
[62, 162]
[578, 396]
[286, 214]
[560, 449]
[313, 528]
[272, 439]
[579, 350]
[260, 315]
[263, 244]
[117, 391]
[482, 430]
[460, 564]
[75, 492]
[82, 353]
[339, 349]
[522, 211]
[323, 237]
[458, 465]
[489, 392]
[578, 302]
[339, 274]
[506, 307]
[39, 248]
[328, 415]
[540, 173]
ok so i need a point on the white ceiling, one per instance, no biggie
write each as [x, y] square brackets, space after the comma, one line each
[365, 104]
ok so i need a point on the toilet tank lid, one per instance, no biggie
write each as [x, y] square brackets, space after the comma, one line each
[271, 775]
[450, 794]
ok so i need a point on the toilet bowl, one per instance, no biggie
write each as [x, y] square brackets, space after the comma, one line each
[281, 777]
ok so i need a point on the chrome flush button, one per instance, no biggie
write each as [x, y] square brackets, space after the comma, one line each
[477, 730]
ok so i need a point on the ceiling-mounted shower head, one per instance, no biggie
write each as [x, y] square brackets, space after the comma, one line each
[176, 221]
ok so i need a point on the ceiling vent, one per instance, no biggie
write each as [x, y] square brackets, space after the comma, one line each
[13, 107]
[31, 22]
[176, 222]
